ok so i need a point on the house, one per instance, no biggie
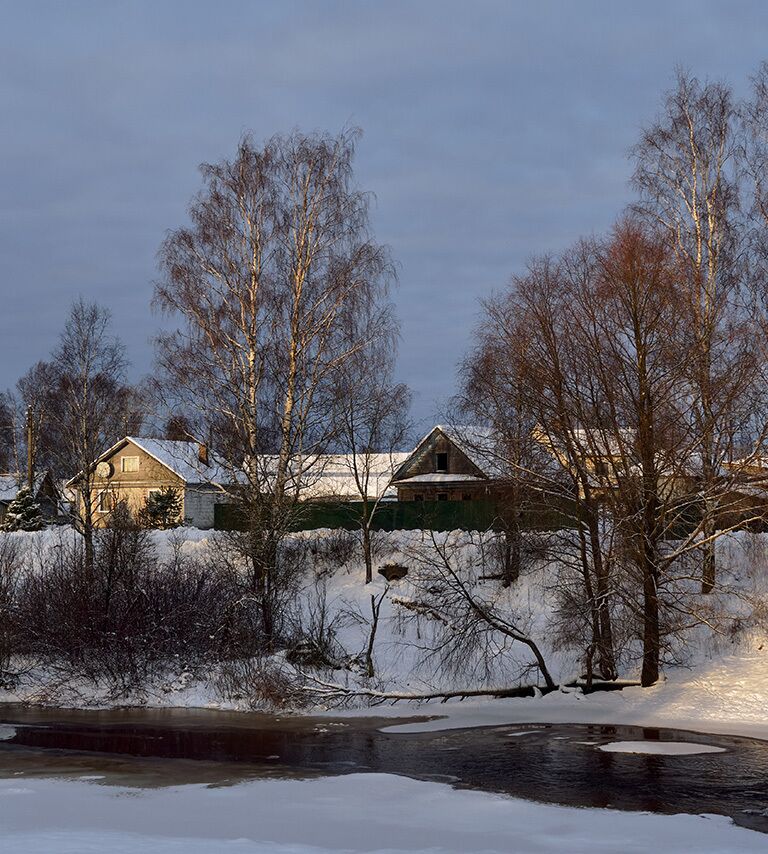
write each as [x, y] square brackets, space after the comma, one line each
[331, 476]
[135, 467]
[600, 455]
[451, 463]
[43, 490]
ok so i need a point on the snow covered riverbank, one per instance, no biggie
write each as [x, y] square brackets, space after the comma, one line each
[728, 696]
[356, 813]
[721, 686]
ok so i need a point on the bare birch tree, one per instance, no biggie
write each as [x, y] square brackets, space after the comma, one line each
[265, 284]
[688, 165]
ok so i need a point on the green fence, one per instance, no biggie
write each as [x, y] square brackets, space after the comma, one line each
[404, 516]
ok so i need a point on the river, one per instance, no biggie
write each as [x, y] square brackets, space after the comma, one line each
[552, 763]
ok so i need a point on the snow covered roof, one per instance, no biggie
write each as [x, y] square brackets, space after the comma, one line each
[11, 483]
[182, 458]
[332, 475]
[479, 444]
[596, 441]
[441, 477]
[319, 476]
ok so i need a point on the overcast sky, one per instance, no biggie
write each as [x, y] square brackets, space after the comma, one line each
[492, 131]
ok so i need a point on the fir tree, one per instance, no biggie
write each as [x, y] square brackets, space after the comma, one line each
[161, 509]
[23, 513]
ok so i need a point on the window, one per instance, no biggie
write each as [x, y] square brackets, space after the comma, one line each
[465, 496]
[418, 497]
[129, 463]
[441, 461]
[106, 502]
[442, 496]
[601, 468]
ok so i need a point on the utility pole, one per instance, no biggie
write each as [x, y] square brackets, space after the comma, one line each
[30, 450]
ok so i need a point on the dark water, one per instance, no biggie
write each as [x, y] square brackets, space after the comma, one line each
[551, 764]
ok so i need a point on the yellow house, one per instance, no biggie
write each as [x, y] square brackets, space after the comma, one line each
[131, 470]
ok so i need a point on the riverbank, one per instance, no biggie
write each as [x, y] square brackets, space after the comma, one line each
[728, 696]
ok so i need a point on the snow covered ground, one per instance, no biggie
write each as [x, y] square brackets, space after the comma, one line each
[356, 813]
[722, 689]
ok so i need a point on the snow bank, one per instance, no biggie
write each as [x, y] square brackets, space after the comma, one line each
[728, 696]
[356, 813]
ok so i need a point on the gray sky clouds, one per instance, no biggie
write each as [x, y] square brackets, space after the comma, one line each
[492, 131]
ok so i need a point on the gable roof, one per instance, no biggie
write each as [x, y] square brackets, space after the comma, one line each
[179, 457]
[12, 482]
[182, 458]
[479, 444]
[476, 443]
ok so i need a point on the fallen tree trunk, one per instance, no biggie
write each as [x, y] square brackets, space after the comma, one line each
[330, 691]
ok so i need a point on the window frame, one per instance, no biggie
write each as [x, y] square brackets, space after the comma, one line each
[100, 501]
[124, 470]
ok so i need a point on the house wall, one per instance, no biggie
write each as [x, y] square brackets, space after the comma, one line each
[199, 503]
[458, 491]
[424, 461]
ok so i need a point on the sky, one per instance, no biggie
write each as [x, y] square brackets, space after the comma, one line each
[492, 131]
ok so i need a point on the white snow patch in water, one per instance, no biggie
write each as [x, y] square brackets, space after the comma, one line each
[523, 732]
[7, 732]
[662, 748]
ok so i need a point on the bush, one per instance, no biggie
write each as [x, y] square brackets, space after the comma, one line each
[131, 617]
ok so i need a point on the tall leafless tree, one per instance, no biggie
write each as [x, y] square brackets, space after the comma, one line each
[266, 283]
[82, 405]
[688, 166]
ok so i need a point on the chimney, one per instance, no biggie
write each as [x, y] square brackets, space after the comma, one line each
[202, 453]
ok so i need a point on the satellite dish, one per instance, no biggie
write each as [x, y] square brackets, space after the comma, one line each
[104, 470]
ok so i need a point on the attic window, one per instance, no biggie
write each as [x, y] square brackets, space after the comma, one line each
[601, 468]
[129, 464]
[442, 496]
[441, 461]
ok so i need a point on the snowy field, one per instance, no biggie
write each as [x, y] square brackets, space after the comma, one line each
[357, 813]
